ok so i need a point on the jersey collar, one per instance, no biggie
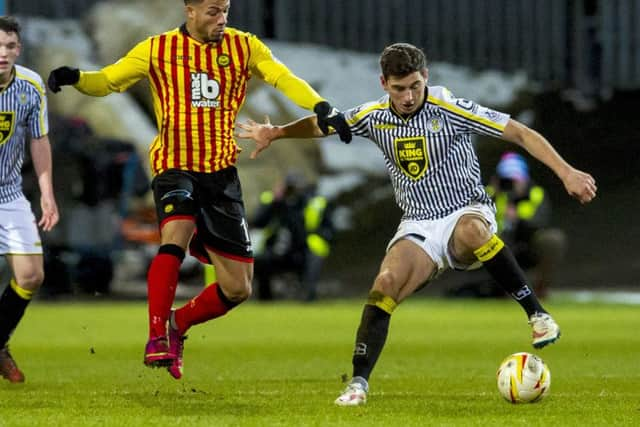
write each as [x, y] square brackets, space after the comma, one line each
[183, 30]
[415, 113]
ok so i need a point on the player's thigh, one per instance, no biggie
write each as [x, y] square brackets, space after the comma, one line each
[28, 270]
[234, 276]
[405, 268]
[221, 221]
[177, 232]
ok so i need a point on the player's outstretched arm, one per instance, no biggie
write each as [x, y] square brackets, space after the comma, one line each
[329, 117]
[93, 83]
[277, 74]
[62, 76]
[116, 77]
[263, 134]
[578, 184]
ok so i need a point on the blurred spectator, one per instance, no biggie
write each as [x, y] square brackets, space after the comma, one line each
[523, 214]
[99, 180]
[297, 230]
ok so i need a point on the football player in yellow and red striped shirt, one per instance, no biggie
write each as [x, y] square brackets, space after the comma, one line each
[198, 74]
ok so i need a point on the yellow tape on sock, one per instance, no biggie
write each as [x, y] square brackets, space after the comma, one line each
[383, 302]
[21, 292]
[487, 251]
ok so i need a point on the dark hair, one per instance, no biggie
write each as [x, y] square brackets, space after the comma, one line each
[402, 59]
[186, 2]
[9, 24]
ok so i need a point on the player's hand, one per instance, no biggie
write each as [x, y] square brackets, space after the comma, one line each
[50, 215]
[331, 117]
[580, 185]
[263, 134]
[62, 76]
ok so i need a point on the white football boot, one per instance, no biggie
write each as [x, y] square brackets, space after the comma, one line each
[354, 394]
[545, 329]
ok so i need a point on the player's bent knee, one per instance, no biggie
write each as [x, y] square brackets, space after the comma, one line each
[30, 282]
[238, 292]
[387, 284]
[473, 227]
[473, 231]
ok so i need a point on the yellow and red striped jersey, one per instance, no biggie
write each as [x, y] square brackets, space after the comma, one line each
[198, 89]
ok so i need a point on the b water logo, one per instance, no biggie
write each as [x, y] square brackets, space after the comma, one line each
[204, 91]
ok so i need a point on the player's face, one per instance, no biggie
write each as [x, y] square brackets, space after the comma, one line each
[9, 51]
[406, 93]
[207, 20]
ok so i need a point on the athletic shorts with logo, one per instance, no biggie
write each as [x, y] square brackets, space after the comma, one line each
[434, 236]
[214, 202]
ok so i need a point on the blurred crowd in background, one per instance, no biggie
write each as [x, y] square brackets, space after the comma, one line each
[108, 231]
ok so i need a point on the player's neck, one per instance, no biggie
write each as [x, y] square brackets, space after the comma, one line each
[193, 34]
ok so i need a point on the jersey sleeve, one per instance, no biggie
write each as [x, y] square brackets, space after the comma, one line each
[38, 119]
[119, 76]
[359, 118]
[272, 71]
[468, 116]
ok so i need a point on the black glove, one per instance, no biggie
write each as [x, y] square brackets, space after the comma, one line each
[62, 76]
[329, 116]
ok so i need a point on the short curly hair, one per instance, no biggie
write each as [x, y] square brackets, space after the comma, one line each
[402, 59]
[9, 24]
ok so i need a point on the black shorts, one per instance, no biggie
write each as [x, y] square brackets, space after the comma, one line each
[214, 202]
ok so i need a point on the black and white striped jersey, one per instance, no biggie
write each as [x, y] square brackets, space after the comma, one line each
[433, 167]
[23, 113]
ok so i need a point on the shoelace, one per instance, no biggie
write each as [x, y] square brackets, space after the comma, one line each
[537, 318]
[353, 388]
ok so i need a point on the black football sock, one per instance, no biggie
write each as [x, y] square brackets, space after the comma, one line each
[503, 267]
[372, 333]
[12, 307]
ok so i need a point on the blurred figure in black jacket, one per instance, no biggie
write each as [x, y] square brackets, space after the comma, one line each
[296, 232]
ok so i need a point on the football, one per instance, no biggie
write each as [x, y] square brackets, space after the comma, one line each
[523, 378]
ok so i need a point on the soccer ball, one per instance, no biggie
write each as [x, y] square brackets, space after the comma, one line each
[523, 378]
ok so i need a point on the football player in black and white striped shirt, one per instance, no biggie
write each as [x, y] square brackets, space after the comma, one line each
[448, 221]
[23, 116]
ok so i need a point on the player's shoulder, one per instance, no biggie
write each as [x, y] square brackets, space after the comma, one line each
[168, 33]
[30, 77]
[234, 32]
[443, 98]
[440, 95]
[368, 108]
[158, 38]
[464, 108]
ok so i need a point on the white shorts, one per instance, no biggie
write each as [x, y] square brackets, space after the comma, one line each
[433, 235]
[18, 229]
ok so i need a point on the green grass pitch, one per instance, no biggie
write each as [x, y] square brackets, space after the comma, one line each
[281, 365]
